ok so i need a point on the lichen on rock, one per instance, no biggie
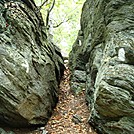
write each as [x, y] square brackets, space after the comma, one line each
[106, 55]
[30, 67]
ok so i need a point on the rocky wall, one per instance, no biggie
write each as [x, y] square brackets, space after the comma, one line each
[30, 66]
[104, 49]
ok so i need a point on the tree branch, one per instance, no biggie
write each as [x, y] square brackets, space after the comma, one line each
[48, 12]
[61, 23]
[39, 8]
[52, 6]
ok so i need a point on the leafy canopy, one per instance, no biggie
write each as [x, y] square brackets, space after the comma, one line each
[64, 21]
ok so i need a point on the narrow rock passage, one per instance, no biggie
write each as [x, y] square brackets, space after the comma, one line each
[71, 113]
[69, 117]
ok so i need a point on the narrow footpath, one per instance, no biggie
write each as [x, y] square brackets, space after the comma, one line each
[71, 113]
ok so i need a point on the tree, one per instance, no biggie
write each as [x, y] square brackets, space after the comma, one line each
[64, 21]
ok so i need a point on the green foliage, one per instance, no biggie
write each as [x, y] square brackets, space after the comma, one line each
[67, 14]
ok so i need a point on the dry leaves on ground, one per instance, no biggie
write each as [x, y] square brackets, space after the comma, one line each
[71, 113]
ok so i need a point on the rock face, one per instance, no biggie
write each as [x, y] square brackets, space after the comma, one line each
[104, 50]
[30, 67]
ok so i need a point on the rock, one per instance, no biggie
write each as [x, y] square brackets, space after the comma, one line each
[76, 119]
[79, 76]
[78, 79]
[44, 132]
[30, 68]
[77, 87]
[106, 54]
[2, 131]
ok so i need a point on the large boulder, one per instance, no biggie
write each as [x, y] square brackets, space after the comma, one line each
[30, 66]
[105, 50]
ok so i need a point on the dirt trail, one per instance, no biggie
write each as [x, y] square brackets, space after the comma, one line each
[71, 113]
